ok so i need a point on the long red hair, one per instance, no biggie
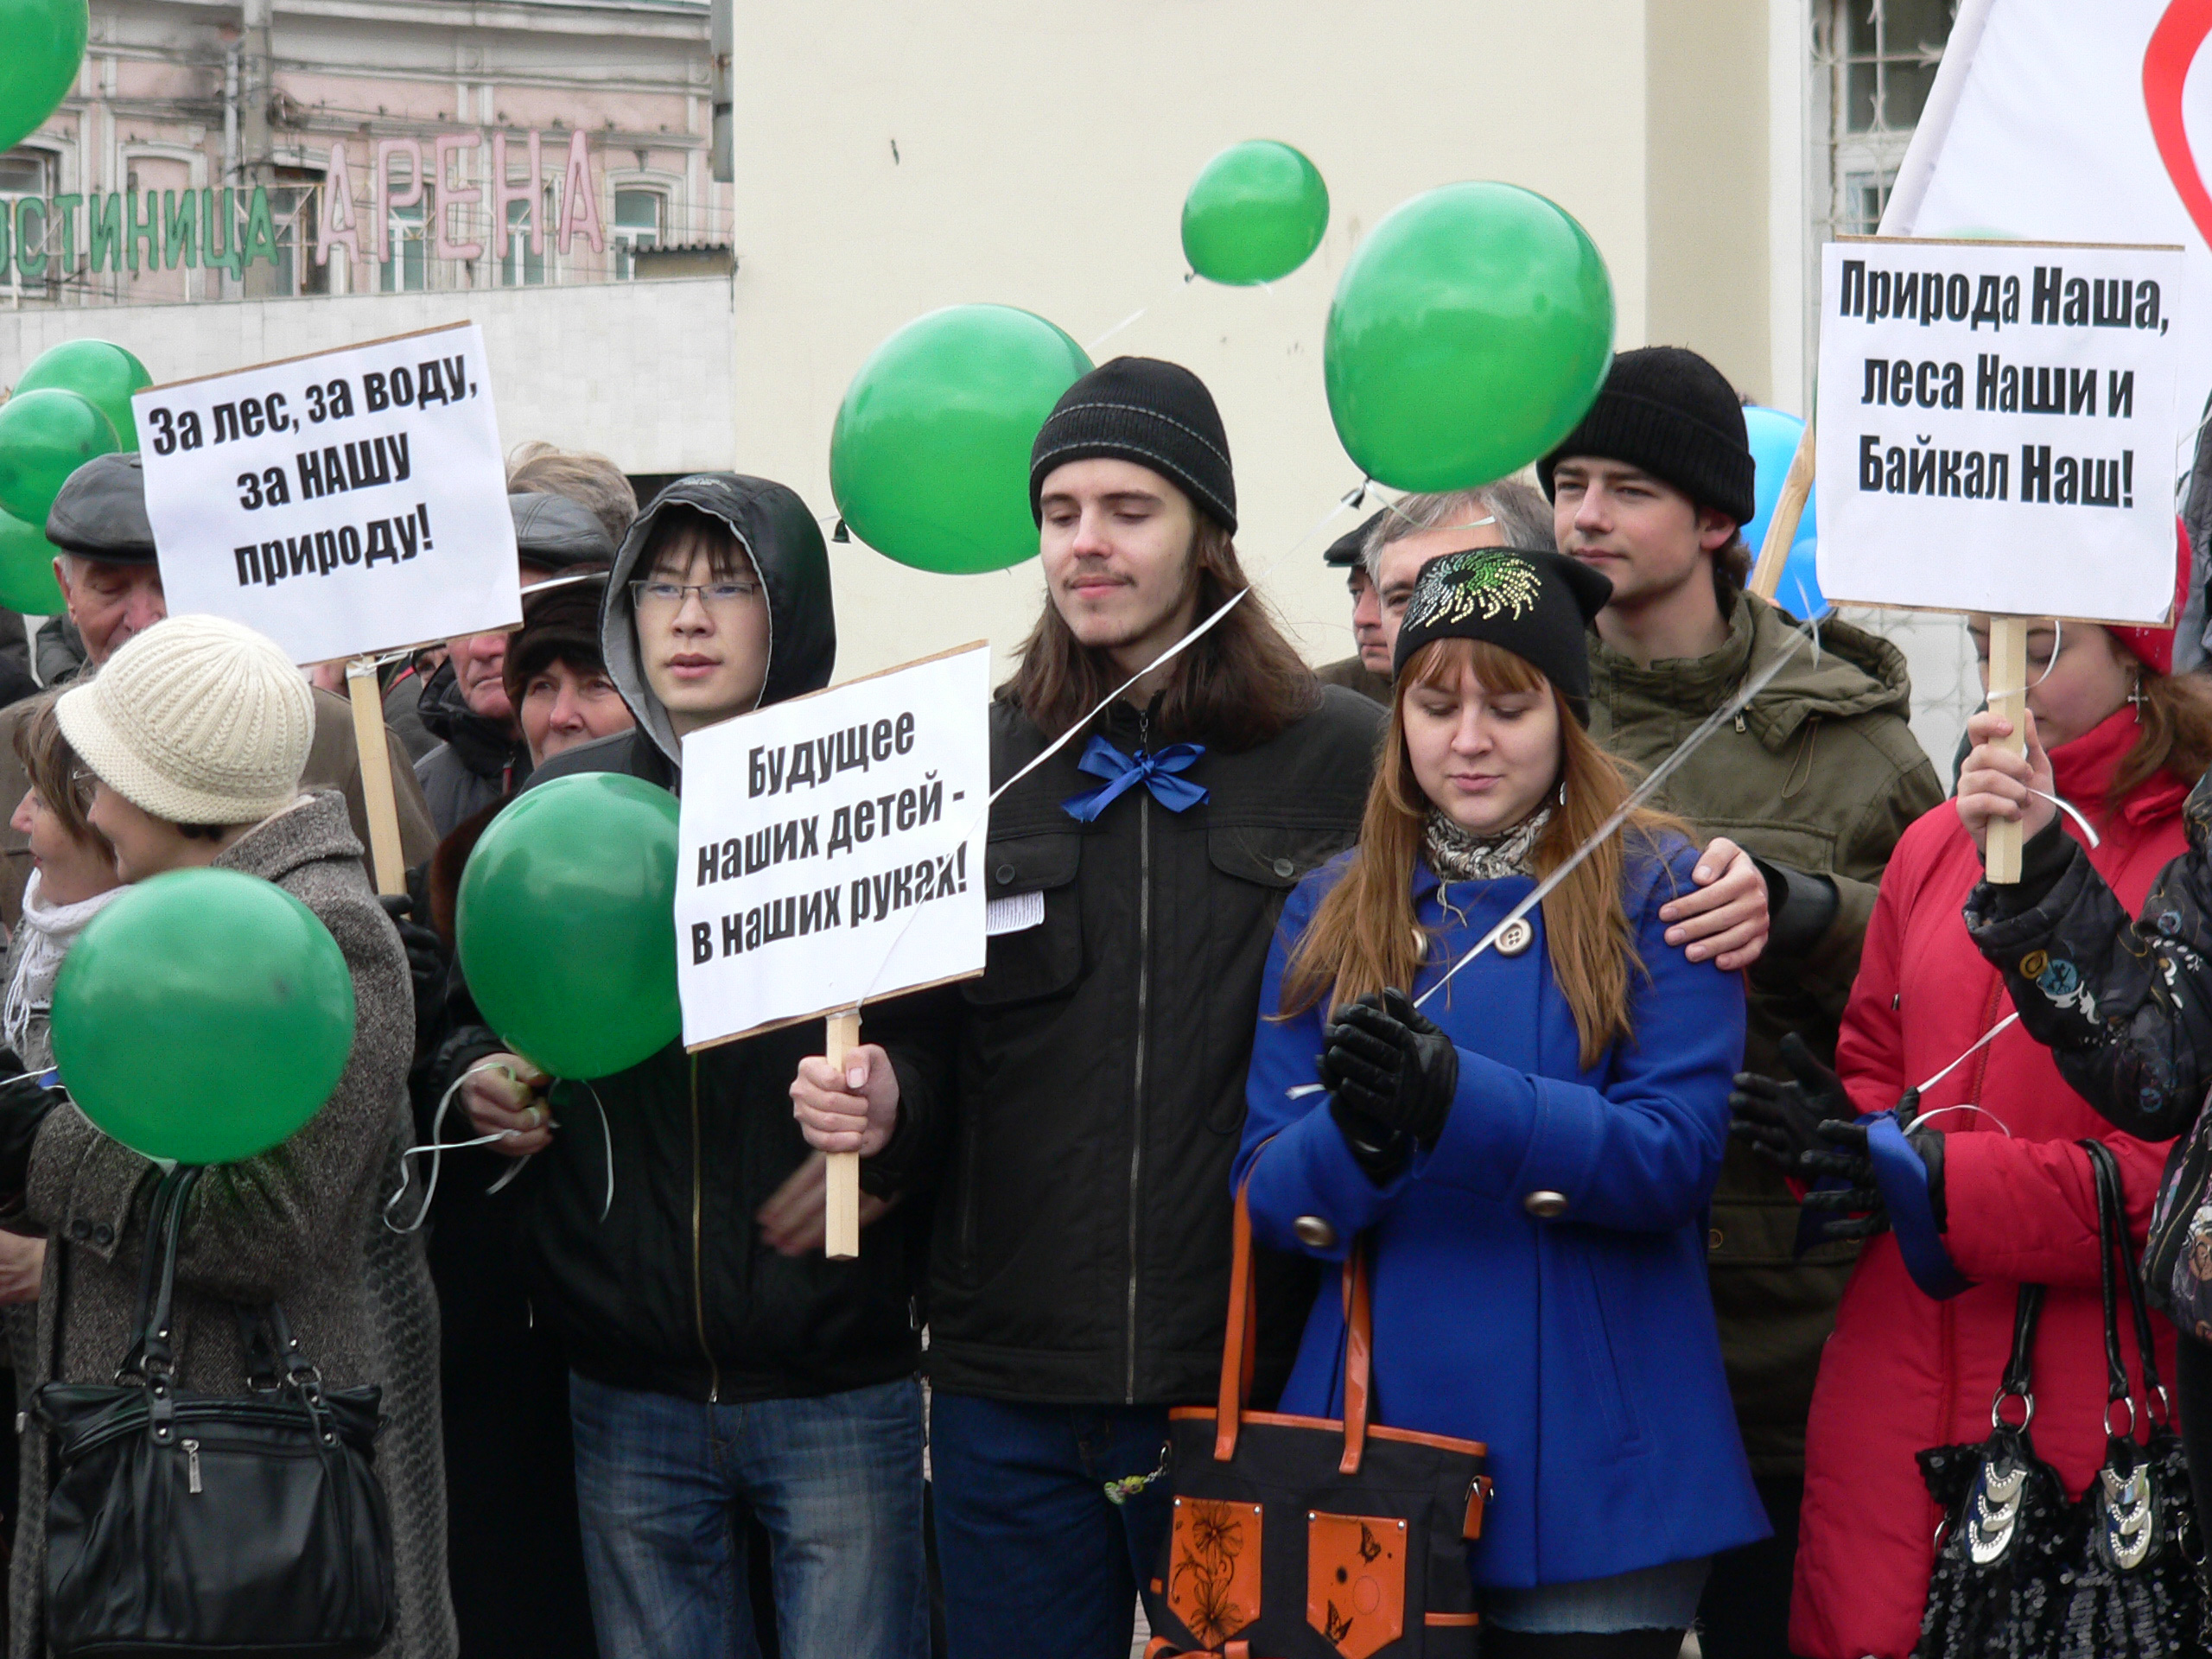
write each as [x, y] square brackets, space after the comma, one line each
[1365, 935]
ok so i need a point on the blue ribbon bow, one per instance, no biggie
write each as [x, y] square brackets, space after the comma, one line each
[1156, 771]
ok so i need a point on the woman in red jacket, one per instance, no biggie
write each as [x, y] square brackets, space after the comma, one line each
[1918, 1351]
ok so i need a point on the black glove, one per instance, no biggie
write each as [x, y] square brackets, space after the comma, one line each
[1860, 1207]
[1782, 1120]
[1391, 1074]
[429, 962]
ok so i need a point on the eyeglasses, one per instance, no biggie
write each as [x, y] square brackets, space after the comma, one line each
[667, 596]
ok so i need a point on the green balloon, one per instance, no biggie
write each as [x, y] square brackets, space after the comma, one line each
[96, 370]
[204, 1016]
[45, 435]
[45, 43]
[1469, 334]
[1256, 214]
[930, 456]
[27, 582]
[567, 923]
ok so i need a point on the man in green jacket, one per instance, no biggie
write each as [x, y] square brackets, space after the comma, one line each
[1818, 778]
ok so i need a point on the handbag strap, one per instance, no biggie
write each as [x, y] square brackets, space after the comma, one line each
[2112, 1212]
[1240, 1344]
[2027, 1311]
[157, 1358]
[2108, 1226]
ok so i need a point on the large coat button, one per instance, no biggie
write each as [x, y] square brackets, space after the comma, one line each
[1545, 1203]
[1314, 1232]
[1516, 937]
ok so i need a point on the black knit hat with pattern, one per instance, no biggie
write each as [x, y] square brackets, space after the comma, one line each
[1671, 413]
[1139, 408]
[1537, 605]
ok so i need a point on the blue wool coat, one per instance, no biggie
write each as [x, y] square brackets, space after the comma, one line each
[1580, 1348]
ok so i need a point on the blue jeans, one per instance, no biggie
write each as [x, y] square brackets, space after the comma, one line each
[1036, 1558]
[663, 1484]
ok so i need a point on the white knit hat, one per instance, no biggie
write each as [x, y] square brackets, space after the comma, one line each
[197, 720]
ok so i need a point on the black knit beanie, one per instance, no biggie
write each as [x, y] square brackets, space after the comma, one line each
[1672, 413]
[1537, 605]
[1158, 415]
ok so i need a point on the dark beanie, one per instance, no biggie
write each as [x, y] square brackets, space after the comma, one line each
[1158, 415]
[1537, 605]
[560, 624]
[1671, 413]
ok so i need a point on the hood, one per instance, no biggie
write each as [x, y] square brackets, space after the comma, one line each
[784, 540]
[1857, 673]
[484, 748]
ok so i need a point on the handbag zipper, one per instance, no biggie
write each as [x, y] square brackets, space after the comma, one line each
[191, 1465]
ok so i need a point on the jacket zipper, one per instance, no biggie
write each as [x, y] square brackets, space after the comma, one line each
[1144, 1002]
[698, 1274]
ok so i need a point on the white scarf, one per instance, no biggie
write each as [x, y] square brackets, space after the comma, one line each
[52, 929]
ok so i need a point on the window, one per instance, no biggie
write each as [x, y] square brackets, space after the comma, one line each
[294, 197]
[408, 269]
[26, 173]
[637, 224]
[518, 266]
[1874, 63]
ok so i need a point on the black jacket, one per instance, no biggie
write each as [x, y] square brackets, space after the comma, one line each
[673, 1291]
[1082, 1245]
[2119, 1002]
[475, 763]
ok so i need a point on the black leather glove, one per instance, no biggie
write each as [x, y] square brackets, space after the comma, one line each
[1782, 1120]
[1859, 1206]
[1391, 1074]
[429, 962]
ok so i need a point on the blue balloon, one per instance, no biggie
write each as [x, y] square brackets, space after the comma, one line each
[1799, 590]
[1774, 438]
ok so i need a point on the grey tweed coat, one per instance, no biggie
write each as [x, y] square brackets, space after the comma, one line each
[301, 1224]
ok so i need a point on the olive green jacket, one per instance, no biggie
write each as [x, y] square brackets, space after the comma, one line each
[1820, 772]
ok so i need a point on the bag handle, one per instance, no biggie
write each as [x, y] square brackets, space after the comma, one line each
[1240, 1344]
[2116, 1384]
[157, 1358]
[2112, 1217]
[2027, 1310]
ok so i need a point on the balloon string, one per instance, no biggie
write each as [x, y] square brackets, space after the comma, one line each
[1189, 277]
[437, 1149]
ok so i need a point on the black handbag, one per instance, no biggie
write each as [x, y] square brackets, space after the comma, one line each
[253, 1526]
[2134, 1594]
[2010, 1540]
[1306, 1538]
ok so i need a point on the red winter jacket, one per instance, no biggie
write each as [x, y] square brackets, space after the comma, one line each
[1902, 1372]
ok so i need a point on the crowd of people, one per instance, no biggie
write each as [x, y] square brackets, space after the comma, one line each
[1602, 1174]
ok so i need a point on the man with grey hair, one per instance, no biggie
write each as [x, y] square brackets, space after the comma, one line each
[1725, 921]
[112, 586]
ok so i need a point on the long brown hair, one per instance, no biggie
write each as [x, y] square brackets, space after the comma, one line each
[2176, 715]
[1364, 936]
[1236, 687]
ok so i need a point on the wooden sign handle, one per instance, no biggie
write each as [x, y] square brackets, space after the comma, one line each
[1781, 529]
[367, 695]
[842, 1179]
[2008, 695]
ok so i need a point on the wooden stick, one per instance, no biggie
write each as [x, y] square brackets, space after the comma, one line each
[841, 1181]
[2008, 695]
[367, 697]
[1781, 529]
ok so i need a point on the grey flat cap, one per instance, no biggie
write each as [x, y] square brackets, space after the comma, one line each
[101, 513]
[553, 532]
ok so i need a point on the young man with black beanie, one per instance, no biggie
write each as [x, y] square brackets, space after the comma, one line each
[1080, 1270]
[1817, 778]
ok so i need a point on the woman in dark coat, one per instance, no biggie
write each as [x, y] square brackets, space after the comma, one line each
[1526, 1153]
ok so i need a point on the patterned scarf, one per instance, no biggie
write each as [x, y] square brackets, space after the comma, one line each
[1457, 855]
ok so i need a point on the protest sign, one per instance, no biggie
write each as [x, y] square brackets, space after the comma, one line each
[344, 503]
[831, 849]
[1996, 426]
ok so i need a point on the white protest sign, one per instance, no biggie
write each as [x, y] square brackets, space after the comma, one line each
[1997, 425]
[344, 503]
[831, 849]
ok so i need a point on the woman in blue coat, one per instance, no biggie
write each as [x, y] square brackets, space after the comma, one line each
[1526, 1153]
